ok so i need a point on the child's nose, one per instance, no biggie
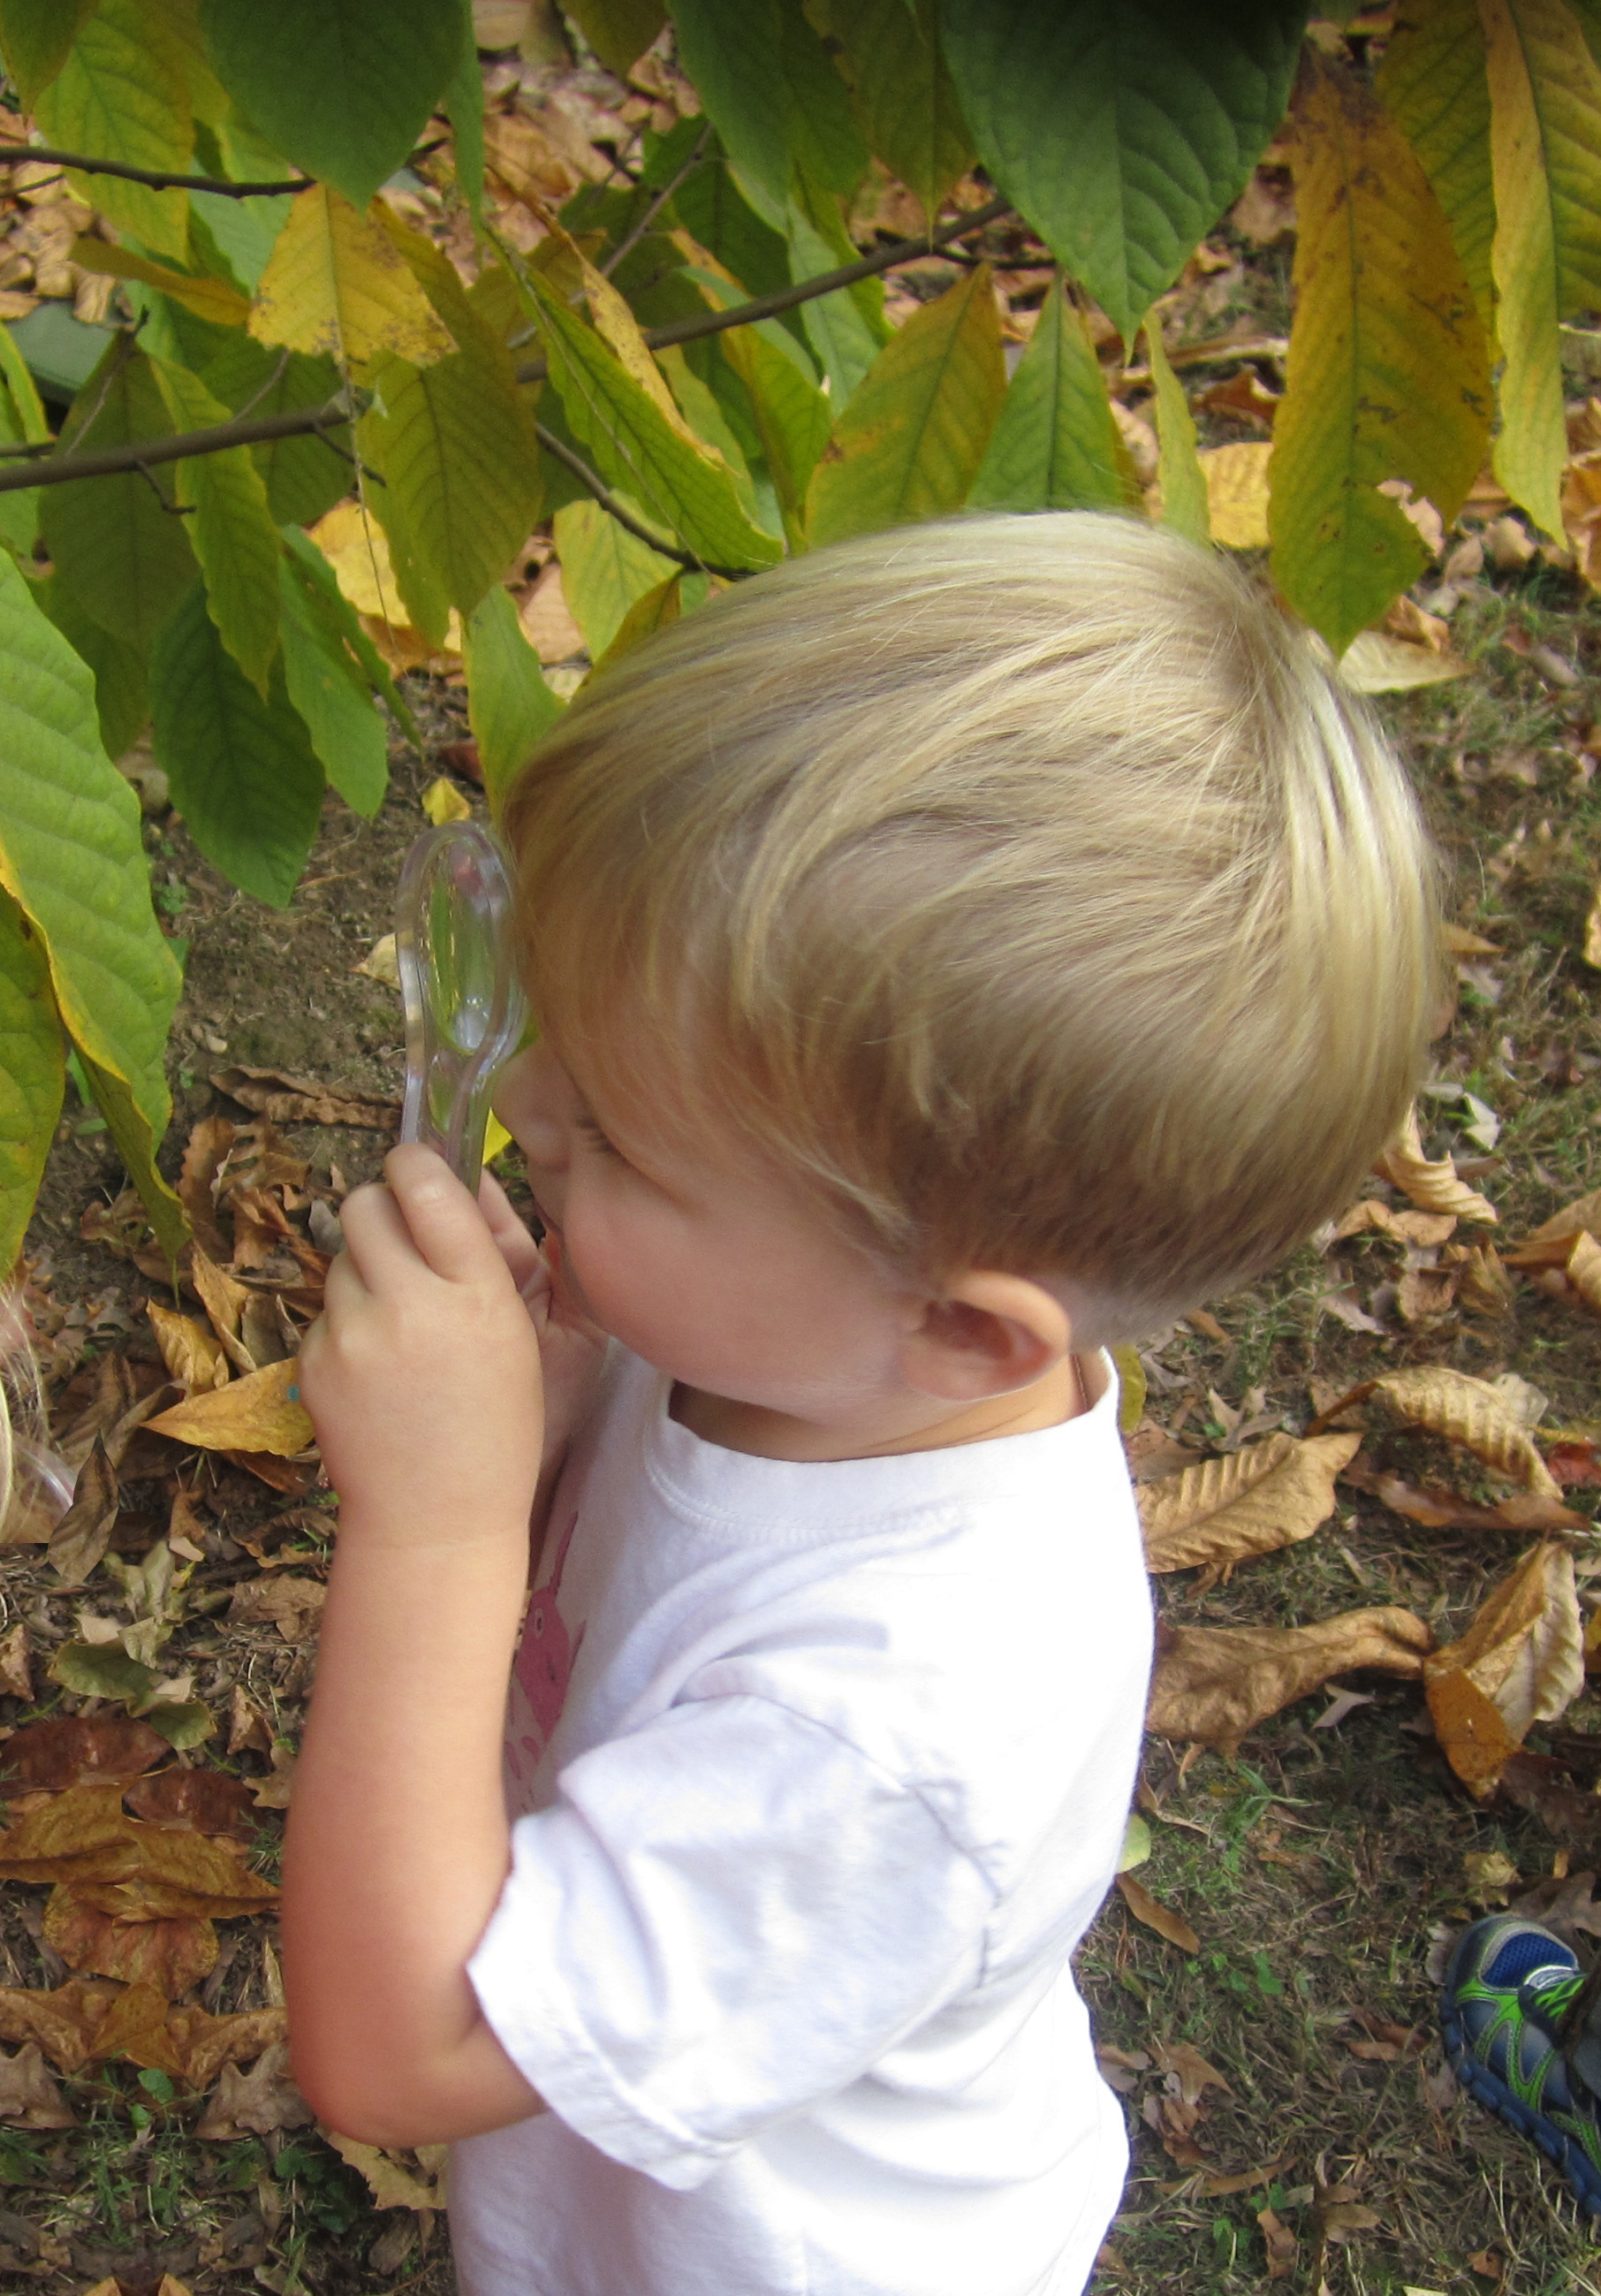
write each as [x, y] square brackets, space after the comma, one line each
[525, 1102]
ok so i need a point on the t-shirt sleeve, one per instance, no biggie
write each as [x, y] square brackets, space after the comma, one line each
[724, 1916]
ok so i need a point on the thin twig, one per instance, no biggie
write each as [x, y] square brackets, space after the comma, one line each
[12, 155]
[297, 422]
[631, 240]
[625, 518]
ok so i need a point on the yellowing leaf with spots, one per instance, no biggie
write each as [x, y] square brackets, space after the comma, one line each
[262, 1412]
[335, 282]
[1388, 373]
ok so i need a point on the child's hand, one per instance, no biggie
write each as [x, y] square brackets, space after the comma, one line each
[422, 1376]
[571, 1349]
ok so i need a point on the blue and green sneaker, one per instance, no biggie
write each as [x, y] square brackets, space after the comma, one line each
[1523, 2028]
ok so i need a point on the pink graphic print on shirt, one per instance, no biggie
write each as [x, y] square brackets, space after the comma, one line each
[543, 1665]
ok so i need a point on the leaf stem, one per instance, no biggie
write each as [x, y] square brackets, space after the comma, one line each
[625, 518]
[12, 155]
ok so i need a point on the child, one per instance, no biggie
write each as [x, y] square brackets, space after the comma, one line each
[954, 951]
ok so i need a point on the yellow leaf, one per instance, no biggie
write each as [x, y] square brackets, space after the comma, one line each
[208, 299]
[1131, 1388]
[1432, 1186]
[1374, 662]
[335, 282]
[1592, 932]
[1388, 370]
[1216, 1683]
[496, 1138]
[193, 1354]
[1236, 492]
[1470, 1412]
[357, 549]
[1545, 144]
[443, 802]
[261, 1412]
[392, 2184]
[1521, 1661]
[1583, 1212]
[1584, 1270]
[1250, 1503]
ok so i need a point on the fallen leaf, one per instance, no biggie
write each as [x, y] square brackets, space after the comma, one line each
[1572, 1219]
[63, 2022]
[142, 1871]
[1158, 1916]
[1136, 1844]
[16, 1664]
[261, 1412]
[1187, 2067]
[1243, 394]
[1280, 2243]
[1434, 1185]
[253, 2104]
[28, 2095]
[1404, 1227]
[1376, 661]
[1564, 1905]
[1251, 1503]
[134, 2025]
[1425, 1295]
[207, 1801]
[73, 1749]
[301, 1099]
[247, 1723]
[168, 1955]
[286, 1602]
[1521, 1661]
[84, 1532]
[443, 802]
[1468, 1411]
[1543, 1786]
[194, 1357]
[1343, 1303]
[1237, 493]
[205, 2044]
[547, 622]
[1575, 1461]
[393, 2185]
[274, 1793]
[224, 1301]
[1491, 1875]
[1484, 1288]
[1214, 1683]
[381, 962]
[1445, 1511]
[205, 1153]
[1343, 2218]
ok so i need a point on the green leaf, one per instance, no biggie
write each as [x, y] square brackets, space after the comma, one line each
[101, 1670]
[72, 857]
[21, 419]
[32, 1074]
[231, 529]
[22, 389]
[604, 571]
[341, 617]
[619, 31]
[1055, 445]
[136, 1144]
[304, 477]
[1178, 472]
[905, 99]
[125, 558]
[121, 692]
[121, 94]
[702, 410]
[846, 329]
[638, 449]
[910, 443]
[1122, 128]
[342, 87]
[776, 101]
[1431, 80]
[463, 105]
[243, 772]
[712, 210]
[183, 1722]
[1388, 370]
[1545, 93]
[792, 416]
[509, 706]
[455, 446]
[37, 37]
[330, 693]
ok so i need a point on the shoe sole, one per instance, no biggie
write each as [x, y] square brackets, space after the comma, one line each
[1584, 2178]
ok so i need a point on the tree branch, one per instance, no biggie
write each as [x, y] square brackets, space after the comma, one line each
[57, 469]
[12, 155]
[627, 245]
[625, 518]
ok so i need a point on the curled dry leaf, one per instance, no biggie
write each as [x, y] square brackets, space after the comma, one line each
[302, 1099]
[1521, 1661]
[1250, 1503]
[1155, 1916]
[204, 1156]
[16, 1664]
[391, 2182]
[168, 1955]
[84, 1532]
[1280, 2243]
[288, 1602]
[261, 1412]
[1572, 1219]
[1468, 1411]
[1216, 1683]
[1583, 1269]
[1484, 1286]
[224, 1301]
[64, 2021]
[194, 1357]
[28, 2095]
[255, 2102]
[1433, 1185]
[1409, 1227]
[1524, 1511]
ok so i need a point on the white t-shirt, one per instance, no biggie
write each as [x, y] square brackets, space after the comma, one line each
[822, 1771]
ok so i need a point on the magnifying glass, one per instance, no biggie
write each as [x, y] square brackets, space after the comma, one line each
[464, 1011]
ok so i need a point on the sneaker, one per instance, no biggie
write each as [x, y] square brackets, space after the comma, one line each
[1523, 2029]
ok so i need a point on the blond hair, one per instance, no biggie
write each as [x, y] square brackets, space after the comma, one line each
[1028, 885]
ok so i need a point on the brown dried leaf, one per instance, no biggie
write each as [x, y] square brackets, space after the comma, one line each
[207, 2043]
[1158, 1916]
[257, 1413]
[134, 2026]
[1432, 1186]
[224, 1301]
[1425, 1295]
[1483, 1287]
[168, 1955]
[302, 1099]
[1280, 2243]
[16, 1664]
[204, 1157]
[392, 2185]
[64, 2022]
[28, 2095]
[1250, 1503]
[195, 1358]
[1470, 1412]
[1372, 1212]
[255, 2102]
[71, 1750]
[1215, 1683]
[1521, 1661]
[1189, 2069]
[1584, 1270]
[288, 1602]
[207, 1801]
[85, 1532]
[141, 1872]
[1445, 1511]
[247, 1723]
[1583, 1212]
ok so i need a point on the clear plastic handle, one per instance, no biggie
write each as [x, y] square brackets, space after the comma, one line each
[464, 1011]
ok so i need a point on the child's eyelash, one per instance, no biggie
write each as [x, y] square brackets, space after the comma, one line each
[593, 1133]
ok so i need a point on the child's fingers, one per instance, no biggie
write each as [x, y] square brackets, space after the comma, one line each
[444, 1223]
[375, 1234]
[517, 1246]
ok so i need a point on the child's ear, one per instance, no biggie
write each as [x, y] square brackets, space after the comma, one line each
[986, 1334]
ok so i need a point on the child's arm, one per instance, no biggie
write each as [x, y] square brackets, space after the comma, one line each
[423, 1380]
